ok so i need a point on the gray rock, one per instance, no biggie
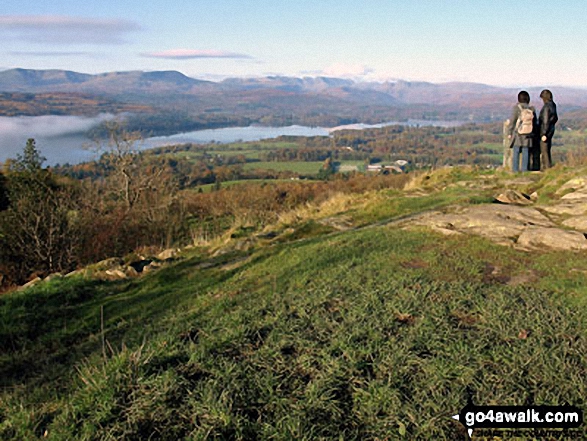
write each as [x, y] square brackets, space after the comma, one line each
[575, 196]
[30, 284]
[572, 209]
[53, 277]
[499, 223]
[513, 197]
[168, 254]
[573, 184]
[577, 223]
[552, 238]
[129, 271]
[114, 274]
[107, 264]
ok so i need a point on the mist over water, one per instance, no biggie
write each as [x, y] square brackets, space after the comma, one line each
[60, 139]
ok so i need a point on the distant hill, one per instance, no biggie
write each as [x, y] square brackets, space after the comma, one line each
[59, 103]
[397, 92]
[26, 80]
[278, 100]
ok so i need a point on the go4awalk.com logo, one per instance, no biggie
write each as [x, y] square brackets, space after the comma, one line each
[519, 417]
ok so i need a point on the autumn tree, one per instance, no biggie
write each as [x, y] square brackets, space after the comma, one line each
[3, 192]
[37, 228]
[132, 178]
[135, 203]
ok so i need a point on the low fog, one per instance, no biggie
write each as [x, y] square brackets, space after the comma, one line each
[60, 139]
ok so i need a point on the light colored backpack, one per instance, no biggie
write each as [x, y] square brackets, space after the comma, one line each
[526, 120]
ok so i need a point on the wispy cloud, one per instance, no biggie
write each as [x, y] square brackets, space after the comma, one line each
[58, 29]
[186, 54]
[347, 70]
[49, 54]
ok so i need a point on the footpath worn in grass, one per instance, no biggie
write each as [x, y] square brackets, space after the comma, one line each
[363, 335]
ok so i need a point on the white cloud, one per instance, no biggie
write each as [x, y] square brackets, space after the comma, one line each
[186, 54]
[347, 70]
[58, 29]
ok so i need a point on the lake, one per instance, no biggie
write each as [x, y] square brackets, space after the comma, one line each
[61, 139]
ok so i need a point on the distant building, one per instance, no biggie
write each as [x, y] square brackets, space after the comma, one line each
[393, 168]
[386, 169]
[374, 168]
[347, 168]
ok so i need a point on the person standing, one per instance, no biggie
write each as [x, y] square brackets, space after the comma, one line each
[522, 131]
[548, 119]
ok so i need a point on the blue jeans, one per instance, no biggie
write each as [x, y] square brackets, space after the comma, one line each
[516, 150]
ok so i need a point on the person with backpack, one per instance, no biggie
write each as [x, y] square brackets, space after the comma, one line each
[548, 118]
[522, 131]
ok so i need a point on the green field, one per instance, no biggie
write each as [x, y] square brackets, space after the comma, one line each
[206, 188]
[301, 167]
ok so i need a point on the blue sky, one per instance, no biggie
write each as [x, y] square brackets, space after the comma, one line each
[513, 43]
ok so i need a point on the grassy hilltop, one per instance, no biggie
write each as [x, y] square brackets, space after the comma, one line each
[340, 321]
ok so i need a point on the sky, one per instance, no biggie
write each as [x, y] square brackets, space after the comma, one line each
[497, 42]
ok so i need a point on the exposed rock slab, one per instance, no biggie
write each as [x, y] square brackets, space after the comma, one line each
[577, 223]
[522, 227]
[573, 184]
[579, 196]
[552, 238]
[570, 209]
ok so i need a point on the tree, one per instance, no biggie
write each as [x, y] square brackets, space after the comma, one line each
[30, 161]
[131, 178]
[3, 192]
[37, 228]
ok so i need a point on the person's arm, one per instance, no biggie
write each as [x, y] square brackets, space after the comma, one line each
[513, 122]
[544, 122]
[552, 119]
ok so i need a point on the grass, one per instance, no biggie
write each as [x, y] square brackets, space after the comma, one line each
[368, 334]
[301, 167]
[206, 188]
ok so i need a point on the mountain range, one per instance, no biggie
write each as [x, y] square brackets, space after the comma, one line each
[280, 95]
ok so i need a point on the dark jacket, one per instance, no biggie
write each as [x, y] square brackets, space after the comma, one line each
[548, 119]
[516, 138]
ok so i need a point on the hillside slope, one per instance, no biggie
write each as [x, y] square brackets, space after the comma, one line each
[343, 321]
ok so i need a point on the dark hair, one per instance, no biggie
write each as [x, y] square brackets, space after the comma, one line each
[546, 95]
[524, 97]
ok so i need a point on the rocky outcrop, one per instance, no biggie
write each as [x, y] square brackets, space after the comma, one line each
[577, 223]
[513, 197]
[500, 223]
[551, 238]
[115, 268]
[518, 221]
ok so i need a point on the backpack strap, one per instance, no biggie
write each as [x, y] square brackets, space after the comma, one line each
[519, 120]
